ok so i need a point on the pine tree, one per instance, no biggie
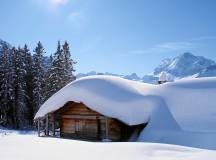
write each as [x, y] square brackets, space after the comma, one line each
[61, 70]
[57, 69]
[68, 64]
[12, 95]
[20, 89]
[38, 79]
[29, 84]
[49, 79]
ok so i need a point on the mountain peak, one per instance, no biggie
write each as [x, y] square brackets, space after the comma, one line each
[183, 65]
[187, 54]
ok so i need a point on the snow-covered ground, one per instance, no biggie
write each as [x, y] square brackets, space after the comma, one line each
[16, 146]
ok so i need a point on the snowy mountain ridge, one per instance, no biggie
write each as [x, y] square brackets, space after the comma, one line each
[185, 65]
[132, 76]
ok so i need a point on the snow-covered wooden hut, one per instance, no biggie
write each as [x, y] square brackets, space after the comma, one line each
[113, 108]
[77, 111]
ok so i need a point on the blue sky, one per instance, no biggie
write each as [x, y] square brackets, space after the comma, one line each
[119, 36]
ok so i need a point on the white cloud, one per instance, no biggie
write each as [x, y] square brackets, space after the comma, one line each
[164, 47]
[174, 45]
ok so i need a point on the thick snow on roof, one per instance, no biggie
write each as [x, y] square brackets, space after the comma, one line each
[112, 96]
[186, 106]
[133, 102]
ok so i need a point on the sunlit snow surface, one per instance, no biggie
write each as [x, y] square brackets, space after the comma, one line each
[182, 112]
[14, 146]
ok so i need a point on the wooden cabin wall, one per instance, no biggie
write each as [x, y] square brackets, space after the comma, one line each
[78, 121]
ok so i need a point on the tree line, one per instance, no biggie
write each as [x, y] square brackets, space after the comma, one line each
[27, 80]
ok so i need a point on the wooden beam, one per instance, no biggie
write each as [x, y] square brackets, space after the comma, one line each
[53, 125]
[38, 127]
[107, 128]
[98, 128]
[83, 117]
[47, 125]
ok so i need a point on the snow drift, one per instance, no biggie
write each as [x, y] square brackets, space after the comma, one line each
[31, 147]
[179, 109]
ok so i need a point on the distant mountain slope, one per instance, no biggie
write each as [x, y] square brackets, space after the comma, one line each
[209, 71]
[182, 66]
[132, 76]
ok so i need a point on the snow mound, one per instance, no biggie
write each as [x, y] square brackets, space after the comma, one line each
[31, 147]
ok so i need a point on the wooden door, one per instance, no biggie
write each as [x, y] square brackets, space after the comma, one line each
[86, 128]
[80, 128]
[68, 126]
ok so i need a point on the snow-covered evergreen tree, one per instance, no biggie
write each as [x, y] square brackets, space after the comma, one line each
[61, 69]
[49, 79]
[20, 88]
[12, 79]
[57, 69]
[38, 79]
[29, 84]
[68, 64]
